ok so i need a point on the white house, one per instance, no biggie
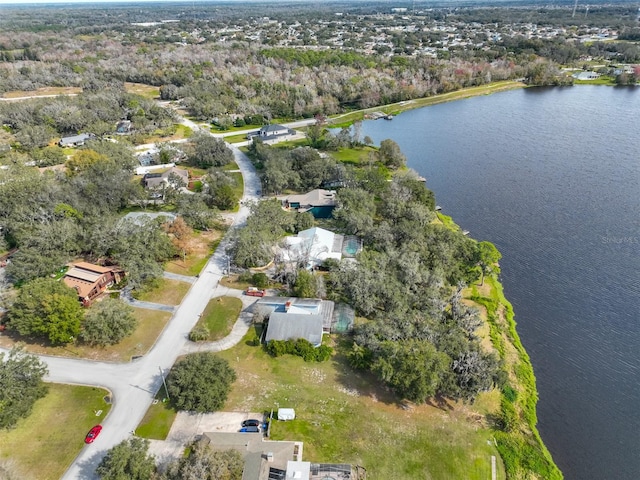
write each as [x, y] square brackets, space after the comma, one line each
[312, 247]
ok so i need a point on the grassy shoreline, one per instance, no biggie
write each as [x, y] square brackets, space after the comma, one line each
[346, 119]
[519, 443]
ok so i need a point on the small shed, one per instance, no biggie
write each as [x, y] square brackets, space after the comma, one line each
[286, 414]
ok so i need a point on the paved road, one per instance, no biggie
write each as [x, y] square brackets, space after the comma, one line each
[133, 385]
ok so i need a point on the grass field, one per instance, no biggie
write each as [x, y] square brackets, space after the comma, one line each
[148, 91]
[44, 444]
[158, 419]
[219, 316]
[168, 292]
[353, 156]
[345, 416]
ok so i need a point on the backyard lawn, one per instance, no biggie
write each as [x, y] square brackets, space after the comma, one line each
[44, 444]
[344, 416]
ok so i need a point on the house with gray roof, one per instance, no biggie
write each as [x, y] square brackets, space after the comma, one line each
[170, 176]
[278, 460]
[319, 202]
[298, 306]
[76, 140]
[271, 133]
[291, 326]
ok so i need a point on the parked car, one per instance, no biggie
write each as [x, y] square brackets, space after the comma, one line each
[252, 422]
[93, 434]
[249, 430]
[254, 292]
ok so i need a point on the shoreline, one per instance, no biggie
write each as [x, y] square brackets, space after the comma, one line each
[521, 448]
[347, 119]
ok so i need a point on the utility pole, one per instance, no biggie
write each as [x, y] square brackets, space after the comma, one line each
[164, 383]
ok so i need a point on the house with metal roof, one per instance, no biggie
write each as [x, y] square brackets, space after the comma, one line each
[291, 326]
[298, 306]
[90, 280]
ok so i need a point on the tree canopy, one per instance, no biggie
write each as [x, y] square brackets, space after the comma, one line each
[129, 460]
[200, 382]
[107, 322]
[20, 385]
[204, 463]
[47, 308]
[209, 151]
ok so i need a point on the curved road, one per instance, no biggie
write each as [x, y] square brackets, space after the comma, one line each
[133, 385]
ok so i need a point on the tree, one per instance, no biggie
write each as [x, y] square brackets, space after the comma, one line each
[141, 247]
[200, 382]
[180, 234]
[306, 285]
[129, 460]
[195, 211]
[413, 368]
[488, 257]
[108, 322]
[355, 211]
[46, 308]
[83, 159]
[221, 190]
[20, 385]
[391, 155]
[204, 463]
[210, 151]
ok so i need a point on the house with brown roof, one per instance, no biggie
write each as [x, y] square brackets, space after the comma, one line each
[90, 280]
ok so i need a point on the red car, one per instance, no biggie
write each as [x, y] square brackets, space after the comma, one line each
[93, 434]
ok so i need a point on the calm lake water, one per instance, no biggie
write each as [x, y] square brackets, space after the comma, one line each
[552, 177]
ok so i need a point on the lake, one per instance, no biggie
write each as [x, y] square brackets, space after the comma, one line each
[552, 177]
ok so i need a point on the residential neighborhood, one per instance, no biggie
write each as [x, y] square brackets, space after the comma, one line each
[217, 261]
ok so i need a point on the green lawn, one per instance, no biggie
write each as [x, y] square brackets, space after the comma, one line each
[345, 416]
[219, 316]
[354, 156]
[236, 138]
[167, 292]
[158, 419]
[44, 444]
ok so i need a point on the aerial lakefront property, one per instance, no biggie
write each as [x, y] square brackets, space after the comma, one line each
[209, 269]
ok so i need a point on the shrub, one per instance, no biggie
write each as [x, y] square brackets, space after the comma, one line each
[260, 280]
[200, 333]
[299, 347]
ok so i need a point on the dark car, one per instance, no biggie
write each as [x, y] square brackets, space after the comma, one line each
[249, 430]
[93, 434]
[252, 422]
